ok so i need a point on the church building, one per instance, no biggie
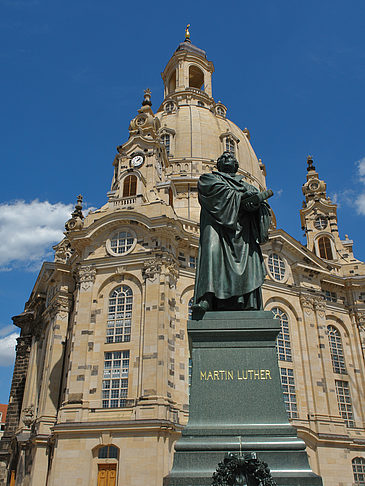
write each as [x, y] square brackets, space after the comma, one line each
[100, 390]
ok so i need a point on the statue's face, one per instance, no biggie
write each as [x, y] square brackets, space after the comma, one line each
[228, 165]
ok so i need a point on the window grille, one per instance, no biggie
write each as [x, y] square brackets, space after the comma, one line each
[120, 315]
[108, 452]
[358, 468]
[344, 402]
[288, 387]
[121, 242]
[336, 349]
[324, 246]
[130, 186]
[329, 296]
[230, 145]
[190, 308]
[276, 266]
[192, 262]
[115, 382]
[283, 341]
[165, 139]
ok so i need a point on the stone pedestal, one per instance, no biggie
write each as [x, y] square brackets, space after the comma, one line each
[236, 402]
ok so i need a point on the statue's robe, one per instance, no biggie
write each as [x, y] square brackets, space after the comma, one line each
[230, 263]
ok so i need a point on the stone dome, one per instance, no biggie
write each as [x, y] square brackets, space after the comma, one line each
[200, 134]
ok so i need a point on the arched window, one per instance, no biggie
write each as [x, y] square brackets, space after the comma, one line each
[130, 186]
[276, 266]
[336, 349]
[230, 145]
[358, 468]
[172, 82]
[165, 139]
[190, 308]
[108, 452]
[196, 77]
[120, 315]
[283, 341]
[324, 247]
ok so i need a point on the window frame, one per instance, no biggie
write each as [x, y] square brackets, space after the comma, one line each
[282, 263]
[123, 229]
[124, 300]
[131, 193]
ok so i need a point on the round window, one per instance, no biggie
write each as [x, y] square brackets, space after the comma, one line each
[320, 222]
[276, 266]
[122, 242]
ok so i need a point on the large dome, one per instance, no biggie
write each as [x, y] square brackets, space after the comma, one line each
[197, 134]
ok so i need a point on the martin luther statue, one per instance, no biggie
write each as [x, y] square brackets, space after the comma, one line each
[234, 220]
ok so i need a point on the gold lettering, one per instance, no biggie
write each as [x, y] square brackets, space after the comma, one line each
[230, 375]
[203, 375]
[216, 375]
[210, 376]
[250, 371]
[238, 375]
[268, 377]
[243, 375]
[262, 374]
[256, 375]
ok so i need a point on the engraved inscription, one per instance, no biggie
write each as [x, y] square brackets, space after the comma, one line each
[228, 375]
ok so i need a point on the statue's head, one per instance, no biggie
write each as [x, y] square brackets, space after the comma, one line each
[227, 163]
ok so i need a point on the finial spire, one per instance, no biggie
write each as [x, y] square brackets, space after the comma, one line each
[147, 97]
[187, 34]
[310, 163]
[78, 207]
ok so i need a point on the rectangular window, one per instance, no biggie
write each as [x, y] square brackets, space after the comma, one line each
[329, 296]
[344, 402]
[288, 387]
[115, 379]
[192, 262]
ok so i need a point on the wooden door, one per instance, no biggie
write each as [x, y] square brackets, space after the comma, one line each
[12, 478]
[107, 474]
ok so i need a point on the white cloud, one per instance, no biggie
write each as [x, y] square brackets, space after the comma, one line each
[7, 349]
[361, 169]
[360, 199]
[360, 204]
[6, 330]
[28, 231]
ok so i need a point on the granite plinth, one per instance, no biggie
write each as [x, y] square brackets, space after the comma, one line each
[236, 402]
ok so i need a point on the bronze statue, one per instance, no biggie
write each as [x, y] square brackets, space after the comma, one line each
[234, 220]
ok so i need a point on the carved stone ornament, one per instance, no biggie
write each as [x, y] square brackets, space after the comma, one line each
[63, 251]
[23, 346]
[60, 308]
[86, 277]
[320, 306]
[28, 416]
[307, 304]
[173, 273]
[242, 469]
[151, 268]
[76, 221]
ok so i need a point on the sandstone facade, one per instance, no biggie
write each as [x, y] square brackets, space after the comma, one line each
[100, 387]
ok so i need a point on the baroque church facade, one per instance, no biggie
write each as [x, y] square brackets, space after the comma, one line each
[100, 389]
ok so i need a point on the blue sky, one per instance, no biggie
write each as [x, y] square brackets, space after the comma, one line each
[73, 75]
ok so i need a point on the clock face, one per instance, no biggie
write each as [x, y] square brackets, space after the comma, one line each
[137, 161]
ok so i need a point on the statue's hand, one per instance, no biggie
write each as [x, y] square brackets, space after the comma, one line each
[250, 206]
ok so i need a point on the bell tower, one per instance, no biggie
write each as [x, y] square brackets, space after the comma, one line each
[319, 222]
